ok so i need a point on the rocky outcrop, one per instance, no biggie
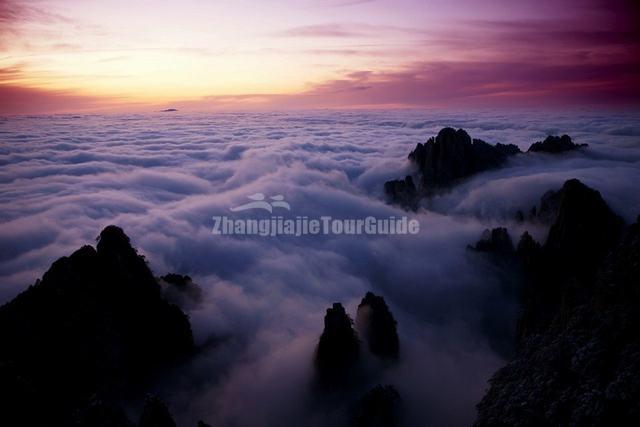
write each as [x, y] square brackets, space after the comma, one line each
[444, 160]
[555, 145]
[584, 230]
[102, 414]
[155, 414]
[497, 319]
[528, 253]
[378, 327]
[578, 354]
[545, 213]
[339, 352]
[495, 241]
[402, 192]
[341, 374]
[380, 407]
[95, 326]
[547, 210]
[549, 206]
[452, 155]
[562, 272]
[338, 349]
[181, 290]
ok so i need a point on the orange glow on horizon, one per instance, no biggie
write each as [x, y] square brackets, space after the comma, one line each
[304, 54]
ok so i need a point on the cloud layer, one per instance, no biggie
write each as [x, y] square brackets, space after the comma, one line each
[162, 176]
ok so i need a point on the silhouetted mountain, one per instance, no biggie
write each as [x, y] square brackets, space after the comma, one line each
[549, 206]
[95, 326]
[341, 372]
[497, 319]
[402, 192]
[546, 211]
[102, 414]
[528, 253]
[496, 241]
[378, 327]
[555, 145]
[380, 407]
[453, 155]
[181, 290]
[178, 280]
[563, 271]
[155, 414]
[585, 228]
[578, 355]
[338, 349]
[444, 160]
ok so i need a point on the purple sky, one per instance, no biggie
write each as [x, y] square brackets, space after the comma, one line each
[70, 56]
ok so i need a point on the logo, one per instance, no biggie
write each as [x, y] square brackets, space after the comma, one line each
[302, 225]
[259, 202]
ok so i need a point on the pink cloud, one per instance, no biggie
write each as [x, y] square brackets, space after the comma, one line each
[17, 99]
[349, 30]
[590, 57]
[12, 12]
[457, 84]
[482, 83]
[322, 30]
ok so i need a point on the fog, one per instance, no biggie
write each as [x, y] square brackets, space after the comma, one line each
[161, 177]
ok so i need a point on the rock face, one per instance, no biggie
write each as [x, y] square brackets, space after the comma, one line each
[584, 230]
[549, 206]
[380, 407]
[96, 325]
[496, 241]
[341, 374]
[378, 327]
[578, 358]
[555, 145]
[101, 414]
[155, 414]
[181, 290]
[528, 253]
[442, 161]
[338, 349]
[453, 155]
[497, 319]
[563, 271]
[402, 192]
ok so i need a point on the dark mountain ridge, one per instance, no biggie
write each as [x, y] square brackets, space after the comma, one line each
[578, 350]
[452, 156]
[96, 329]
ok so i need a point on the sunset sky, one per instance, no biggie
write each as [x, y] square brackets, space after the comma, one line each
[139, 55]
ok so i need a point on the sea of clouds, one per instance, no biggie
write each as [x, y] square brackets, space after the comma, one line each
[161, 177]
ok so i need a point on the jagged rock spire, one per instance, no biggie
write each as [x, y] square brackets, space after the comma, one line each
[338, 349]
[378, 327]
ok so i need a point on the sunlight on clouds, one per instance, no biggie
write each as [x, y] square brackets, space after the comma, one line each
[158, 51]
[155, 52]
[164, 75]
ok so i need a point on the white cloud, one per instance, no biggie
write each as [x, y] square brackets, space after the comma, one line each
[162, 177]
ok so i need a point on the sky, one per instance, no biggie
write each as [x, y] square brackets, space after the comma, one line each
[138, 55]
